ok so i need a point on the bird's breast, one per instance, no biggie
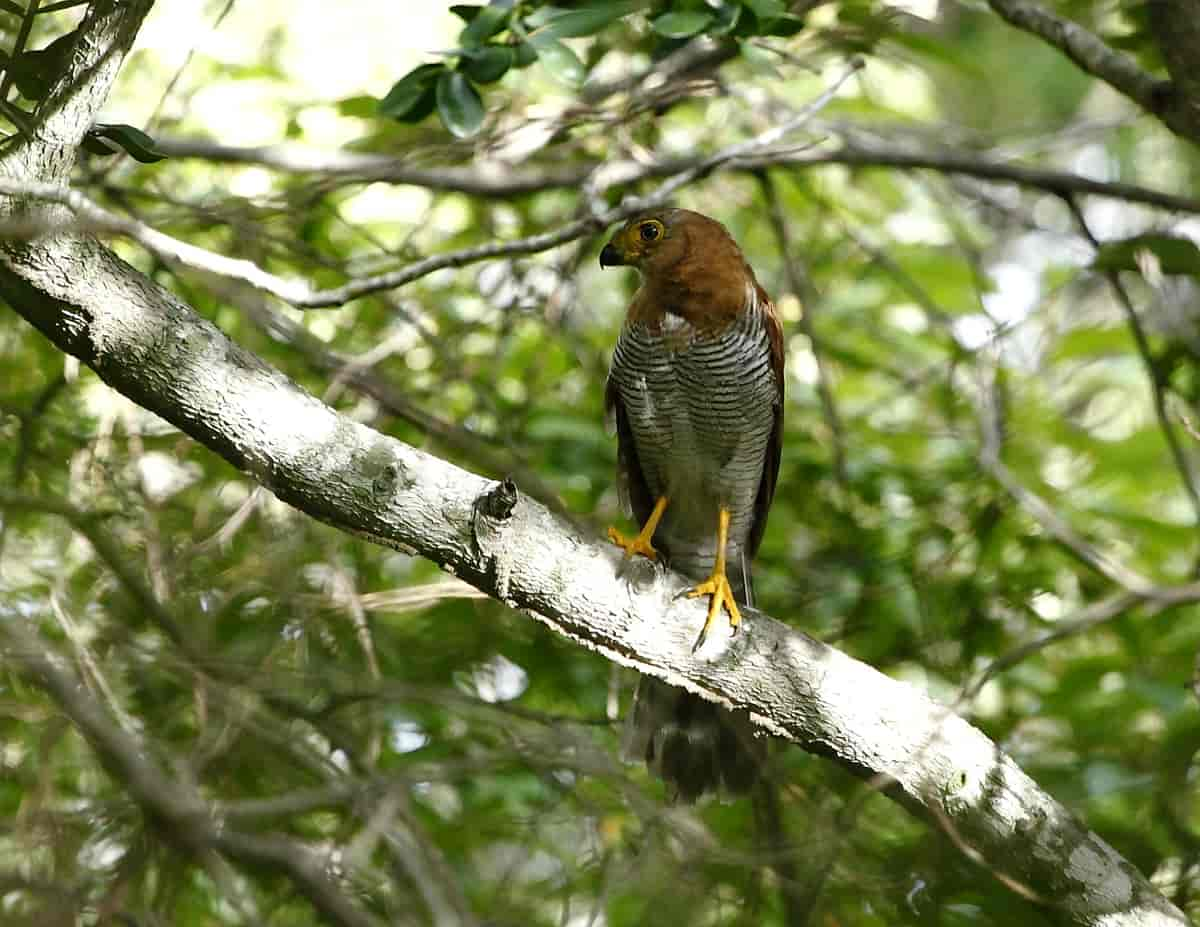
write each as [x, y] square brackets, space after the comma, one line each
[700, 405]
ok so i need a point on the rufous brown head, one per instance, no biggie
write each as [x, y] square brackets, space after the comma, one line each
[657, 240]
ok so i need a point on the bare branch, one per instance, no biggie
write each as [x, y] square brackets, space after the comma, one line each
[502, 180]
[1158, 600]
[1094, 56]
[802, 287]
[485, 179]
[186, 818]
[300, 295]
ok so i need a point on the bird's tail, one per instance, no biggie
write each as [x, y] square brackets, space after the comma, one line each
[691, 744]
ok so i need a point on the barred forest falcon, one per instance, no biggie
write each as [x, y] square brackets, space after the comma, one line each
[696, 393]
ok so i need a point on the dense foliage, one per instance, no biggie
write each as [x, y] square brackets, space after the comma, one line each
[988, 488]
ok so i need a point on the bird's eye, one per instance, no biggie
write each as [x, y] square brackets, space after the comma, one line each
[649, 231]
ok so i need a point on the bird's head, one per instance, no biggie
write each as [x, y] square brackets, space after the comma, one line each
[690, 264]
[647, 240]
[658, 240]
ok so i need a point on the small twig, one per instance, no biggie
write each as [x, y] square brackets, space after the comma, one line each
[1188, 425]
[1154, 601]
[109, 551]
[992, 433]
[802, 286]
[503, 181]
[1153, 373]
[185, 815]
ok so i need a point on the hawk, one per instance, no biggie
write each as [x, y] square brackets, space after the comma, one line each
[696, 394]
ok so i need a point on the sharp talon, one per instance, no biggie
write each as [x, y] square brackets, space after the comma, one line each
[633, 546]
[721, 595]
[641, 544]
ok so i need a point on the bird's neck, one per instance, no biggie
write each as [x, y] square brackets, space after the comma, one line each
[705, 294]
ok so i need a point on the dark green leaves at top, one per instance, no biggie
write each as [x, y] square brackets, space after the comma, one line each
[562, 63]
[101, 138]
[458, 104]
[485, 23]
[766, 9]
[771, 18]
[681, 25]
[587, 20]
[411, 99]
[536, 31]
[1175, 255]
[487, 63]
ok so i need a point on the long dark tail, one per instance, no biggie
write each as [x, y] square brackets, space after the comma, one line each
[693, 745]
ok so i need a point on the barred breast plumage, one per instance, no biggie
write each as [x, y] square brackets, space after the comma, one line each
[701, 407]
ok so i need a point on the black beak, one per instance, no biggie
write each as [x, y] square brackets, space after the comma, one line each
[610, 256]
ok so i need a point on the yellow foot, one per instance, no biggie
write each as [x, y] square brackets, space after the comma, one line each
[716, 586]
[634, 546]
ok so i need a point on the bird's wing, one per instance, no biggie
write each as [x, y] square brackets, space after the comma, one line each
[631, 482]
[770, 476]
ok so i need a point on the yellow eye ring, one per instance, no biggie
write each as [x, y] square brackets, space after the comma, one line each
[651, 230]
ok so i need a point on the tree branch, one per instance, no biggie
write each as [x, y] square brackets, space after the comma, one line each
[1094, 56]
[186, 819]
[300, 295]
[502, 180]
[297, 293]
[148, 345]
[1176, 28]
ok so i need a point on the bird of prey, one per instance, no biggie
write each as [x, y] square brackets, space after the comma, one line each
[696, 395]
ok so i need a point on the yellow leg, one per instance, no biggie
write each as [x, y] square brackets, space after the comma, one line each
[641, 544]
[717, 585]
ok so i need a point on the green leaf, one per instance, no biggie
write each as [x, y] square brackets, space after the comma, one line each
[524, 54]
[766, 9]
[93, 144]
[783, 26]
[562, 63]
[727, 19]
[361, 106]
[35, 71]
[587, 20]
[1092, 343]
[1175, 255]
[465, 12]
[458, 104]
[412, 94]
[680, 25]
[761, 60]
[487, 64]
[137, 144]
[485, 24]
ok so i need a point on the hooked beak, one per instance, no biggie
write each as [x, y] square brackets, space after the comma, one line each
[610, 256]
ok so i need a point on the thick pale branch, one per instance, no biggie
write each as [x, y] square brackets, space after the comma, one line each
[149, 346]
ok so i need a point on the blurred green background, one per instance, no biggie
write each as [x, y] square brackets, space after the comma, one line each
[931, 319]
